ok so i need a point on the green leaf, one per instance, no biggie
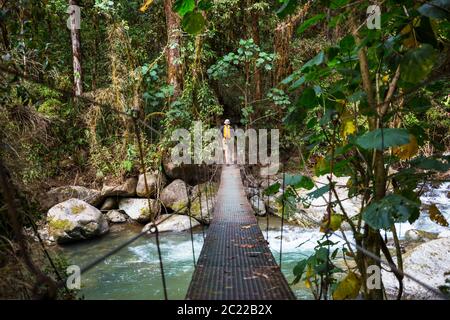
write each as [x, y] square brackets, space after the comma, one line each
[205, 4]
[183, 6]
[287, 8]
[298, 181]
[419, 104]
[417, 64]
[430, 164]
[437, 9]
[347, 43]
[308, 98]
[319, 192]
[272, 189]
[299, 269]
[193, 22]
[379, 138]
[391, 209]
[317, 60]
[310, 22]
[336, 4]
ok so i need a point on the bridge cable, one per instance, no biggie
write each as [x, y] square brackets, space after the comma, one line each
[183, 168]
[268, 206]
[200, 204]
[282, 222]
[147, 191]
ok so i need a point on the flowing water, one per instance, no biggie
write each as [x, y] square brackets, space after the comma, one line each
[134, 273]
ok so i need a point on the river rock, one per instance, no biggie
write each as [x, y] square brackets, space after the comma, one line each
[201, 210]
[126, 189]
[252, 192]
[419, 235]
[428, 262]
[173, 222]
[75, 219]
[154, 179]
[61, 194]
[115, 216]
[444, 234]
[109, 204]
[137, 208]
[258, 205]
[175, 196]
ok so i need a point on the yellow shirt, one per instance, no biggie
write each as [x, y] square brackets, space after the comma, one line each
[226, 131]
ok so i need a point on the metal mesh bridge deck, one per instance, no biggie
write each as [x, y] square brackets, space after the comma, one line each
[235, 262]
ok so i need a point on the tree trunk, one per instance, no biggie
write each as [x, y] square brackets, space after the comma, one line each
[76, 51]
[257, 40]
[282, 41]
[173, 52]
[371, 241]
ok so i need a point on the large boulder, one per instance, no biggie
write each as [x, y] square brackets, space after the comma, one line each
[175, 196]
[74, 220]
[258, 205]
[116, 216]
[419, 235]
[201, 209]
[61, 194]
[428, 262]
[307, 216]
[173, 222]
[154, 179]
[109, 204]
[126, 189]
[138, 209]
[191, 173]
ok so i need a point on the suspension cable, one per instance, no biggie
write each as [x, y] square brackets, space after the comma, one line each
[147, 191]
[282, 222]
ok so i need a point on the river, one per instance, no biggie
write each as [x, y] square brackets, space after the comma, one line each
[134, 272]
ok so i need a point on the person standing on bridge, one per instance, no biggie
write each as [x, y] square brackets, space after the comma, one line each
[227, 141]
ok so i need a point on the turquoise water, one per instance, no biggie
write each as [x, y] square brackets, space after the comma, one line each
[134, 273]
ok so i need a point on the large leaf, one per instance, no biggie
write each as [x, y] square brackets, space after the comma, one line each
[272, 189]
[298, 181]
[299, 269]
[183, 6]
[417, 63]
[317, 60]
[310, 22]
[348, 288]
[391, 209]
[308, 99]
[437, 216]
[430, 164]
[408, 150]
[193, 22]
[319, 192]
[437, 9]
[383, 138]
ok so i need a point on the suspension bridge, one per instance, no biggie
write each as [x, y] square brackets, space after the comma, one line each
[235, 262]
